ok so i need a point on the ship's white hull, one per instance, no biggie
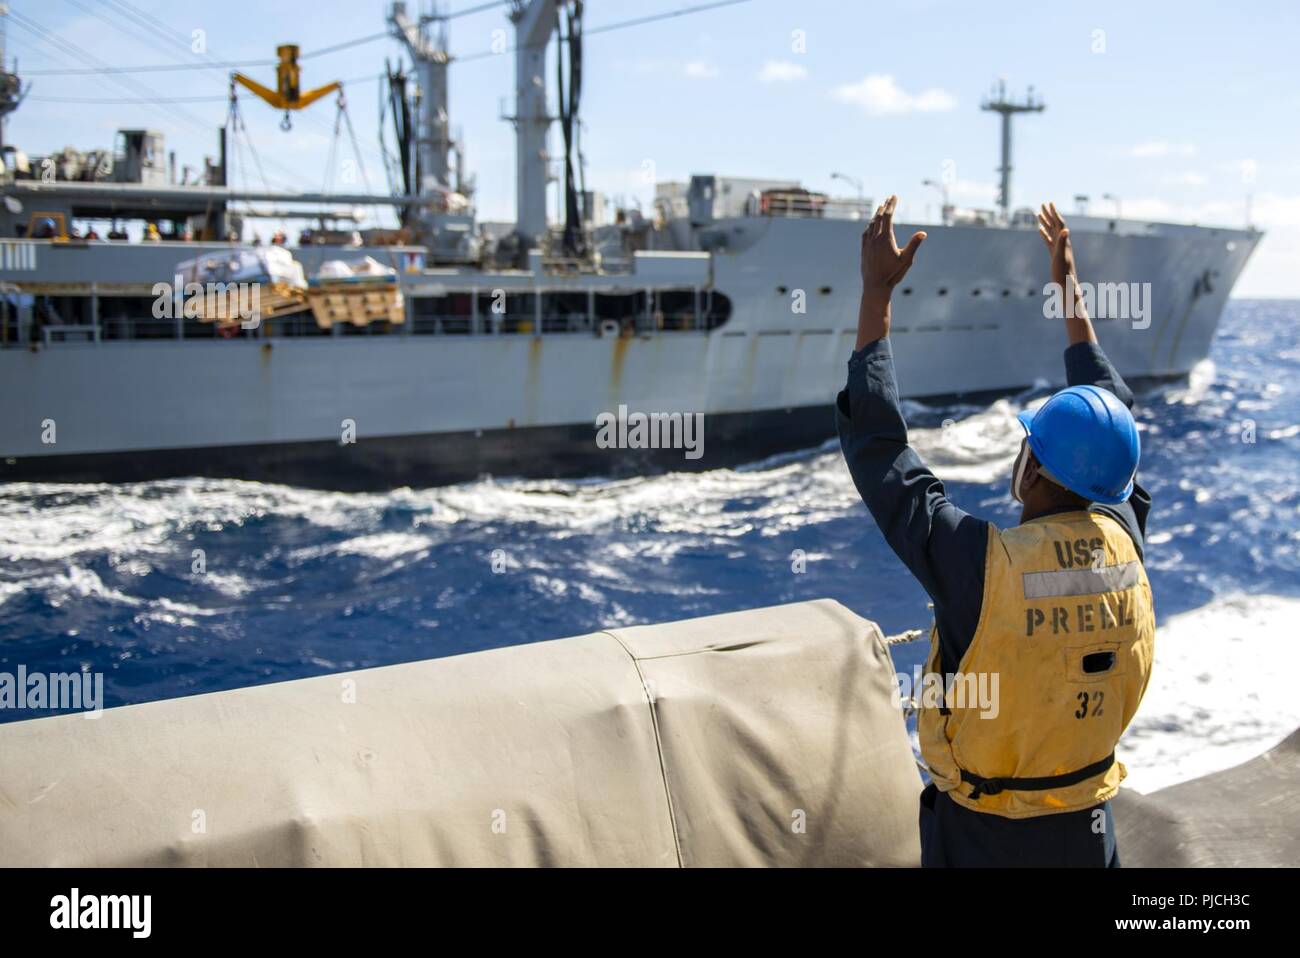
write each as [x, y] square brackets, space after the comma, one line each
[970, 319]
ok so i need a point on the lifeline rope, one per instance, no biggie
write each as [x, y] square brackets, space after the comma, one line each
[910, 705]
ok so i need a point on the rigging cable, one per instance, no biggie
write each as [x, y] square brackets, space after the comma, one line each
[69, 49]
[174, 67]
[484, 54]
[573, 235]
[145, 96]
[608, 28]
[356, 151]
[132, 29]
[160, 100]
[160, 29]
[384, 152]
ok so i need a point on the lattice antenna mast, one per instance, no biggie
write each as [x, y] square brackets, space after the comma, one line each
[997, 102]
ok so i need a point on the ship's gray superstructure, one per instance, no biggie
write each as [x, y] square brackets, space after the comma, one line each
[736, 300]
[433, 401]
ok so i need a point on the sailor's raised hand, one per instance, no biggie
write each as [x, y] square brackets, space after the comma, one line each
[1065, 276]
[1052, 228]
[883, 263]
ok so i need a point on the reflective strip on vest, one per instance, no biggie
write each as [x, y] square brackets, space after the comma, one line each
[1111, 578]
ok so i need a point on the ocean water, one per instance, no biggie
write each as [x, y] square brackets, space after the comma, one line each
[300, 583]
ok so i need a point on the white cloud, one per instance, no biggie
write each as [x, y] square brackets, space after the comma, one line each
[972, 192]
[1268, 211]
[700, 70]
[1230, 213]
[1141, 208]
[781, 71]
[1275, 210]
[1185, 179]
[693, 69]
[615, 180]
[1273, 267]
[880, 95]
[1159, 148]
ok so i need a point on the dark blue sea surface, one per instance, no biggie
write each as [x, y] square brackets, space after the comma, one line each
[298, 583]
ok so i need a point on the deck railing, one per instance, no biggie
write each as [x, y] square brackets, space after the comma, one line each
[30, 322]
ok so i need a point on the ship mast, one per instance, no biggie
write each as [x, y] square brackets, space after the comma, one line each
[535, 21]
[433, 139]
[11, 87]
[998, 103]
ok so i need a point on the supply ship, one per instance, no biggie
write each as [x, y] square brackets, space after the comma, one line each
[494, 349]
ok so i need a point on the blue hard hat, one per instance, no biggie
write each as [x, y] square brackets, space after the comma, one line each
[1087, 440]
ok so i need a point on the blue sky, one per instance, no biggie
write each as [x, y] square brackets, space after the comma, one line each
[1182, 110]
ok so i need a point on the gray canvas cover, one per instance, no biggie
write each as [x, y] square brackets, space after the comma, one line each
[765, 737]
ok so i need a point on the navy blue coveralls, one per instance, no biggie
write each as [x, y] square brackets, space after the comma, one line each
[944, 547]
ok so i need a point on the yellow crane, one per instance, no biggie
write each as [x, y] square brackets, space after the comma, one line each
[287, 95]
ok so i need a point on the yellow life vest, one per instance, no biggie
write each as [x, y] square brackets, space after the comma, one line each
[1056, 669]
